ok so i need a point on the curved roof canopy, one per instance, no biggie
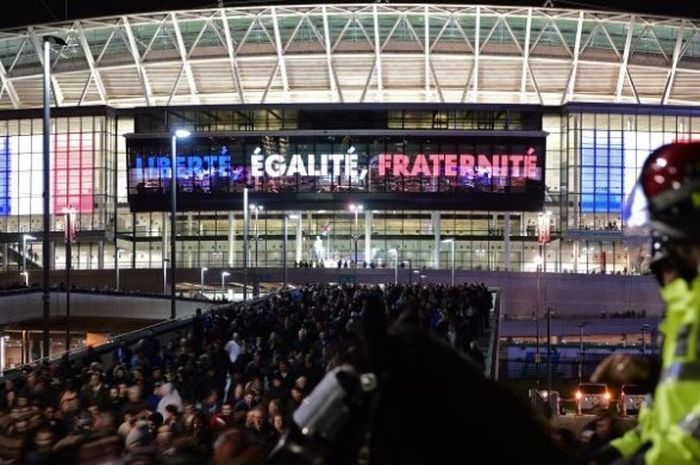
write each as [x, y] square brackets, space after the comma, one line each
[357, 53]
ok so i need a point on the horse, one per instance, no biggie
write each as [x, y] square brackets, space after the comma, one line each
[403, 396]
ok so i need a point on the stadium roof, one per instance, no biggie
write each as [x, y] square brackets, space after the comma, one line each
[358, 53]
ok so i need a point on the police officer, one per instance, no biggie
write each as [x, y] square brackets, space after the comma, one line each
[667, 201]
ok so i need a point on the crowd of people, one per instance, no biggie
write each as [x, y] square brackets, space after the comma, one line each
[221, 392]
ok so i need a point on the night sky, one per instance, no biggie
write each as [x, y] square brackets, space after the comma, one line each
[46, 11]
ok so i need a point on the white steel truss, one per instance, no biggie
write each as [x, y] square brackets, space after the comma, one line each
[359, 53]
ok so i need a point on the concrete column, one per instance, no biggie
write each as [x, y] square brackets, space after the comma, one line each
[299, 239]
[101, 255]
[506, 241]
[231, 239]
[435, 217]
[368, 236]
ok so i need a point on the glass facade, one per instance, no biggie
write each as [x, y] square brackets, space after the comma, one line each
[593, 155]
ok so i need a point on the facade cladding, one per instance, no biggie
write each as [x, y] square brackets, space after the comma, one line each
[381, 126]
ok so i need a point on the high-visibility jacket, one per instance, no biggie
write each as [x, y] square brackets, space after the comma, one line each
[672, 424]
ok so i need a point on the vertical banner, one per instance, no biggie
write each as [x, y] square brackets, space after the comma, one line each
[5, 170]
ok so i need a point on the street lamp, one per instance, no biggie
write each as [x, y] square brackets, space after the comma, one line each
[543, 236]
[165, 275]
[246, 245]
[395, 253]
[179, 134]
[284, 246]
[256, 209]
[223, 283]
[355, 236]
[581, 325]
[25, 238]
[452, 257]
[201, 279]
[645, 328]
[116, 267]
[69, 234]
[48, 41]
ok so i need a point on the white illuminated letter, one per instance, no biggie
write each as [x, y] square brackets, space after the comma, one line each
[296, 165]
[256, 165]
[275, 166]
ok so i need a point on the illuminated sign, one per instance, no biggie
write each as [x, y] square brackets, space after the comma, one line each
[496, 172]
[450, 165]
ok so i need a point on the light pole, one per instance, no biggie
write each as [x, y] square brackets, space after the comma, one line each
[223, 284]
[355, 236]
[246, 240]
[256, 209]
[284, 246]
[543, 236]
[165, 275]
[395, 253]
[116, 267]
[201, 279]
[69, 233]
[25, 238]
[451, 241]
[48, 41]
[581, 325]
[645, 329]
[179, 134]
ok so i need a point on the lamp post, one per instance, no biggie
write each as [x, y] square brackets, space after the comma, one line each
[165, 275]
[116, 267]
[223, 284]
[256, 209]
[47, 41]
[451, 241]
[581, 325]
[395, 253]
[69, 233]
[25, 238]
[201, 279]
[285, 265]
[246, 245]
[355, 236]
[645, 328]
[543, 236]
[179, 134]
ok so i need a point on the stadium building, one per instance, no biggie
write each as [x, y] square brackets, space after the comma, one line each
[372, 127]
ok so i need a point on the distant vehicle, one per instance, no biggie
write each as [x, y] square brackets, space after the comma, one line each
[632, 398]
[590, 397]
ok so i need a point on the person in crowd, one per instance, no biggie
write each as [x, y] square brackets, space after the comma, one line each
[169, 397]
